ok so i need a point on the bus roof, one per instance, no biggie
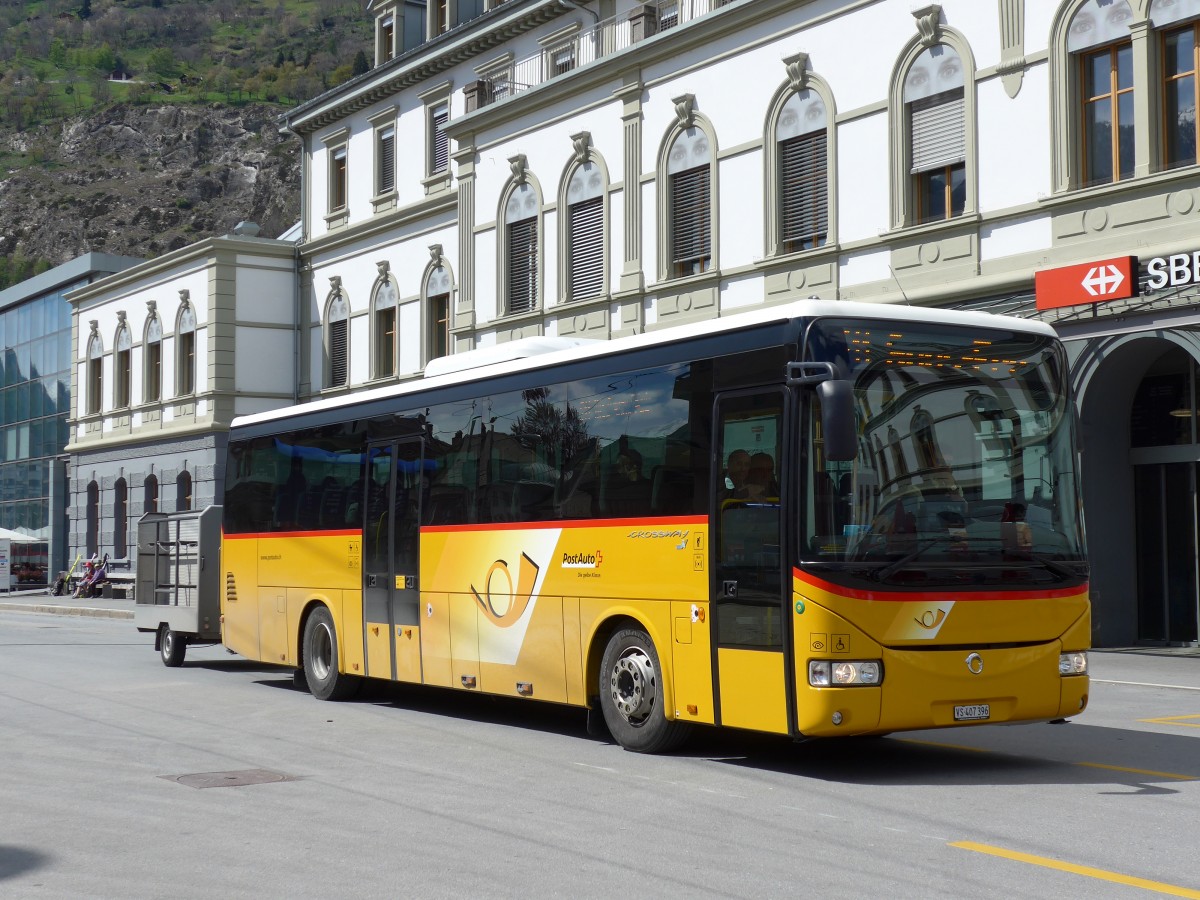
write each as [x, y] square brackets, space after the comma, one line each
[537, 353]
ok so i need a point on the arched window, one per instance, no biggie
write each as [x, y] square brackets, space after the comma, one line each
[150, 494]
[153, 360]
[337, 339]
[438, 288]
[183, 491]
[585, 258]
[383, 322]
[522, 214]
[95, 370]
[120, 519]
[798, 173]
[122, 367]
[689, 211]
[935, 109]
[92, 513]
[185, 351]
[1099, 40]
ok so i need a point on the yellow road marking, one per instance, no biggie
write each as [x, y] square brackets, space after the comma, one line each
[1175, 720]
[1157, 886]
[1090, 765]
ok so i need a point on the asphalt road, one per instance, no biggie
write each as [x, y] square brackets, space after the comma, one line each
[120, 778]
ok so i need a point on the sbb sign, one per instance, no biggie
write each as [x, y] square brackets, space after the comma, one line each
[1106, 279]
[1173, 270]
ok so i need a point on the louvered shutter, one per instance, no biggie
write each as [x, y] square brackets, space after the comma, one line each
[803, 191]
[522, 265]
[586, 222]
[338, 356]
[938, 131]
[387, 160]
[441, 144]
[691, 227]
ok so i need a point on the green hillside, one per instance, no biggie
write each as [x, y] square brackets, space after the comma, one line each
[62, 58]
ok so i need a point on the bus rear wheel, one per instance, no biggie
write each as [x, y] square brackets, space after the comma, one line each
[321, 672]
[172, 646]
[631, 695]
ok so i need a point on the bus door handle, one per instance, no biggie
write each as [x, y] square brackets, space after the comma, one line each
[729, 589]
[372, 581]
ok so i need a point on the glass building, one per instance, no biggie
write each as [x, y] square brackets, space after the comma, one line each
[35, 403]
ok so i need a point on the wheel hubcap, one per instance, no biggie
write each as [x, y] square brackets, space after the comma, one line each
[321, 652]
[633, 686]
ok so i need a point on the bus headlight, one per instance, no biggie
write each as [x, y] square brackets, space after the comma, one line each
[844, 672]
[1072, 663]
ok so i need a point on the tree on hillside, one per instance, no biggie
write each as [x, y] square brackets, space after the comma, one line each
[85, 9]
[361, 66]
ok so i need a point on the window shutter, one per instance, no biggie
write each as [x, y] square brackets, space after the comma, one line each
[938, 131]
[338, 333]
[691, 225]
[803, 190]
[587, 248]
[522, 265]
[441, 144]
[387, 161]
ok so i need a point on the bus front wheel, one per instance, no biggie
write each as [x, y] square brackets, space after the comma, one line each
[631, 695]
[321, 659]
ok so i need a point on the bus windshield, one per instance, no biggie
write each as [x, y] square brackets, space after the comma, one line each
[965, 471]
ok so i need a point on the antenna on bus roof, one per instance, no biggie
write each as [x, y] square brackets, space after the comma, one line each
[907, 302]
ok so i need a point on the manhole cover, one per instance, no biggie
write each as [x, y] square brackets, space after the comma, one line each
[228, 779]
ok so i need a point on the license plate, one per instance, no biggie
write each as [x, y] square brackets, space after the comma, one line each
[972, 713]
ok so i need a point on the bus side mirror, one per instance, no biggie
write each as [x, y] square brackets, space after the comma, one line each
[837, 420]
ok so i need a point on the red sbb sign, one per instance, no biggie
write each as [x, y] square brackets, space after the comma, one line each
[1093, 282]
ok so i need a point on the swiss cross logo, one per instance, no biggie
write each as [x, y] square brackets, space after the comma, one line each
[1094, 282]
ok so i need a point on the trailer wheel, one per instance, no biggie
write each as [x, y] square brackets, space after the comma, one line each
[172, 646]
[321, 672]
[631, 695]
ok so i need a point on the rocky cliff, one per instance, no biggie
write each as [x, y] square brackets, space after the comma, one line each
[145, 180]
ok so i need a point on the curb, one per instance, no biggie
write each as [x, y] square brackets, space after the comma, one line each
[67, 610]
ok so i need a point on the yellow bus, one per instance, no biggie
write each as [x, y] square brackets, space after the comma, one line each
[812, 520]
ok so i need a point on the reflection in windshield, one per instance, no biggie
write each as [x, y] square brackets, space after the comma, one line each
[965, 469]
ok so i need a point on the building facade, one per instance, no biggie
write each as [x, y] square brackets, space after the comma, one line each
[164, 355]
[35, 381]
[546, 167]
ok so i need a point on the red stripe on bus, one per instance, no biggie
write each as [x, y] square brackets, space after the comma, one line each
[931, 595]
[340, 532]
[659, 523]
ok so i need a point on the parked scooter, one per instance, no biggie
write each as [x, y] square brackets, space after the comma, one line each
[95, 574]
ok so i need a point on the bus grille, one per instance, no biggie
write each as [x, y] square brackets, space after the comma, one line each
[230, 588]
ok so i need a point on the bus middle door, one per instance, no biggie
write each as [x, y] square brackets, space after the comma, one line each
[748, 564]
[391, 552]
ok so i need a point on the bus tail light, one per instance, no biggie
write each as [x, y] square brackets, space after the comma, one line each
[844, 672]
[1072, 663]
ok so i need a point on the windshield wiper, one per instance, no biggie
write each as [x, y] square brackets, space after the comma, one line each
[896, 565]
[1053, 565]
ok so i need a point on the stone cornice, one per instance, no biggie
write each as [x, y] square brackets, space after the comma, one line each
[381, 223]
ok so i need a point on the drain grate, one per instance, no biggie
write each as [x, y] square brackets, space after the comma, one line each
[239, 778]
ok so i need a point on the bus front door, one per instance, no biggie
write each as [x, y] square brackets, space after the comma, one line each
[391, 511]
[748, 568]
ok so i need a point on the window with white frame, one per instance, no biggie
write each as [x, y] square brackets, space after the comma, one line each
[185, 352]
[95, 373]
[521, 213]
[934, 103]
[803, 172]
[385, 151]
[387, 37]
[585, 232]
[122, 367]
[384, 326]
[437, 293]
[337, 340]
[689, 181]
[337, 179]
[153, 361]
[439, 142]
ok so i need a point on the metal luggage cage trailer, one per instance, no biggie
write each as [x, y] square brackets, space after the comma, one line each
[178, 580]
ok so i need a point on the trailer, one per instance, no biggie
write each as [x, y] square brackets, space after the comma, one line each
[178, 580]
